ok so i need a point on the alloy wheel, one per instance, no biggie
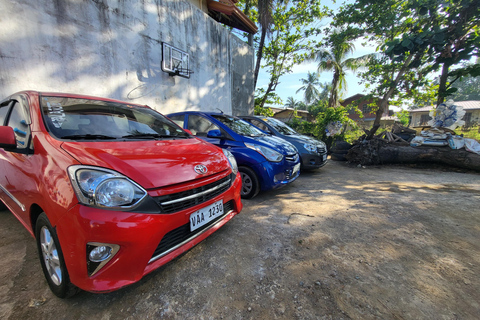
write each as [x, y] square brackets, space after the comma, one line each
[50, 256]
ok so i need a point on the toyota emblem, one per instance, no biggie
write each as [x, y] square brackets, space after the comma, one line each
[200, 169]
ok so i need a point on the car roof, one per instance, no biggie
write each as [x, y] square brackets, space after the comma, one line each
[71, 95]
[208, 113]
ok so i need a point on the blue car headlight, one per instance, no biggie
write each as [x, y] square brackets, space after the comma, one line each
[310, 148]
[268, 153]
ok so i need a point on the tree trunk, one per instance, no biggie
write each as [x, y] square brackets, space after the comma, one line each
[269, 89]
[388, 94]
[333, 100]
[379, 152]
[442, 87]
[259, 55]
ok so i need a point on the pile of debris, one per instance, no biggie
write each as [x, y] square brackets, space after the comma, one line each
[402, 145]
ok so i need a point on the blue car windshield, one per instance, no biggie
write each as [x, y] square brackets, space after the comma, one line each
[239, 126]
[89, 119]
[280, 126]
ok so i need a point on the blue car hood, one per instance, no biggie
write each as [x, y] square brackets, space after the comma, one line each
[279, 144]
[299, 138]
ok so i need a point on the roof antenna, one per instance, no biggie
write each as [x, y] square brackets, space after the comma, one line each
[221, 111]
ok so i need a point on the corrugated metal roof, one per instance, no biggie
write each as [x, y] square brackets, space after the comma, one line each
[467, 105]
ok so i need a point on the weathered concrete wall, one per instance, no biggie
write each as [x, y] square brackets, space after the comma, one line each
[112, 48]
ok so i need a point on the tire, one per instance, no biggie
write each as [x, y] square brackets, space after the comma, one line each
[338, 157]
[2, 206]
[51, 259]
[250, 185]
[341, 145]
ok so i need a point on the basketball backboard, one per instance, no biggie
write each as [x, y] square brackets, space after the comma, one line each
[175, 61]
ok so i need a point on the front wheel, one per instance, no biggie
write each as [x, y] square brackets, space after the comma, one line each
[51, 259]
[250, 184]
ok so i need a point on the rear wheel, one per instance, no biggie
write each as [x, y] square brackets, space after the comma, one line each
[51, 259]
[250, 184]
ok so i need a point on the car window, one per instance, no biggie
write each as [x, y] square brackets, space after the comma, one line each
[199, 126]
[280, 126]
[260, 125]
[178, 119]
[239, 126]
[18, 121]
[73, 118]
[3, 112]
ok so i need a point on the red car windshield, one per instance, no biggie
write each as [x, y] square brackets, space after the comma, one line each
[73, 118]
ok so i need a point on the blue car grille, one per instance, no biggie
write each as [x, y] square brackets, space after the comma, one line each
[321, 150]
[181, 234]
[292, 157]
[186, 199]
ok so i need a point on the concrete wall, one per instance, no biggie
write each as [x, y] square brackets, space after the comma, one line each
[112, 48]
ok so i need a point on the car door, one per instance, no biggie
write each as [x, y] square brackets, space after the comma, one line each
[200, 127]
[4, 110]
[17, 164]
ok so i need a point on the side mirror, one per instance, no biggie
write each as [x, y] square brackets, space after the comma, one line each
[214, 134]
[7, 138]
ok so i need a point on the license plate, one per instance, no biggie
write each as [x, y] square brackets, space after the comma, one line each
[205, 215]
[296, 168]
[324, 157]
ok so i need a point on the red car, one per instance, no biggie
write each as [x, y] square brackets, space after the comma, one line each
[110, 190]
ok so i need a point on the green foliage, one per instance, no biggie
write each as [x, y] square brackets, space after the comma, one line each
[414, 38]
[468, 85]
[352, 134]
[471, 133]
[404, 117]
[290, 42]
[302, 126]
[318, 106]
[263, 111]
[331, 115]
[261, 98]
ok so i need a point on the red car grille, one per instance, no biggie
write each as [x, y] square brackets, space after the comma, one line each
[182, 234]
[186, 199]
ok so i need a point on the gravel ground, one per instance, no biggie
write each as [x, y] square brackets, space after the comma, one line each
[342, 242]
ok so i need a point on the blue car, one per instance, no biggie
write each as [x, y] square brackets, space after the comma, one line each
[313, 152]
[265, 162]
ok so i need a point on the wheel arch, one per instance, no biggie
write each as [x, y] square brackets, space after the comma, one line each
[35, 212]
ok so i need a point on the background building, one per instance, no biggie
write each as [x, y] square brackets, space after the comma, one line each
[421, 116]
[113, 49]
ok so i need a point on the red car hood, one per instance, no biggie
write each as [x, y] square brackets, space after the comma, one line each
[152, 164]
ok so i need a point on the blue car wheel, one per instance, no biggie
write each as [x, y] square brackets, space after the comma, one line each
[250, 185]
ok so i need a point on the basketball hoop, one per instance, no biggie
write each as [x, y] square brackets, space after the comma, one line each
[182, 72]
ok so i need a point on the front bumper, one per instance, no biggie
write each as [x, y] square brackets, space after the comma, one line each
[274, 175]
[313, 161]
[147, 240]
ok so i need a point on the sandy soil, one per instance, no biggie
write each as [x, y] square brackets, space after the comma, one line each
[343, 242]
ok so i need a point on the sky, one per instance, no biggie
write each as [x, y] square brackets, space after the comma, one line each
[290, 83]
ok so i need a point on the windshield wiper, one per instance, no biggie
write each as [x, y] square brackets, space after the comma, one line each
[88, 137]
[150, 136]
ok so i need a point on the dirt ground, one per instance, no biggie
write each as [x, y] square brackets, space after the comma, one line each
[343, 242]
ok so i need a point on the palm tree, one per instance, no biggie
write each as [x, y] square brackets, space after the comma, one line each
[311, 93]
[291, 103]
[265, 19]
[334, 60]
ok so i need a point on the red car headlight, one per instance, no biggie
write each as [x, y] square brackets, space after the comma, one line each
[105, 188]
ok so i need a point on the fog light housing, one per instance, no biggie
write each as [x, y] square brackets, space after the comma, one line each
[98, 255]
